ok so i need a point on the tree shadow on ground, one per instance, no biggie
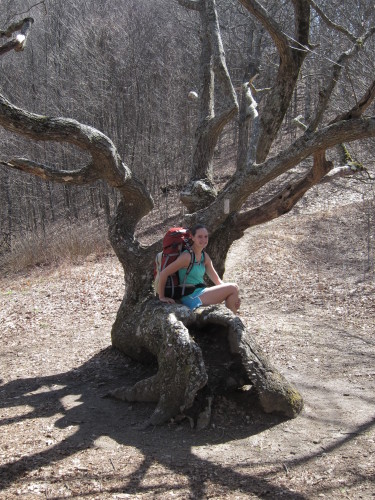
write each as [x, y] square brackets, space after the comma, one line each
[74, 399]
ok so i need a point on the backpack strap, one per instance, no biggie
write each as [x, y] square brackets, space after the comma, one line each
[189, 268]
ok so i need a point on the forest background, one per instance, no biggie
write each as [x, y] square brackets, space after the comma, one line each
[127, 69]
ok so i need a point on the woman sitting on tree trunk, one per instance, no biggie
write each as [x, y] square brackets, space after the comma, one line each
[201, 296]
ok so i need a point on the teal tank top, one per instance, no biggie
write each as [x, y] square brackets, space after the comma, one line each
[196, 274]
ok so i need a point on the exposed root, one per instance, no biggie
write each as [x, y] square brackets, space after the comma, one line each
[208, 347]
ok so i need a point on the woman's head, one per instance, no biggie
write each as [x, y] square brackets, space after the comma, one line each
[199, 235]
[196, 227]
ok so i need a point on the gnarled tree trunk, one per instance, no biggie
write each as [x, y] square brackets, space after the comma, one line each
[172, 333]
[147, 329]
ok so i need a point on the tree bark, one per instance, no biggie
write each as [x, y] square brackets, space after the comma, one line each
[172, 334]
[200, 192]
[291, 60]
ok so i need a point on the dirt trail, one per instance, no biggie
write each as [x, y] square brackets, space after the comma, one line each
[306, 299]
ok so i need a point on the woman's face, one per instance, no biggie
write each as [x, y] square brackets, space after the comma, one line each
[200, 239]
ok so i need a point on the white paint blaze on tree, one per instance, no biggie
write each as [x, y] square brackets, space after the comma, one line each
[146, 328]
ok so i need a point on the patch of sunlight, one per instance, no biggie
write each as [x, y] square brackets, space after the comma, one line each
[15, 413]
[71, 401]
[44, 389]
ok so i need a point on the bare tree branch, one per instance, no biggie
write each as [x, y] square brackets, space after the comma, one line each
[291, 59]
[343, 171]
[19, 42]
[213, 116]
[287, 198]
[360, 107]
[242, 184]
[106, 163]
[229, 105]
[330, 23]
[28, 10]
[326, 93]
[82, 176]
[275, 31]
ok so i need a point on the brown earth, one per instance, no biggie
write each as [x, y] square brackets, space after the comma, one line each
[307, 284]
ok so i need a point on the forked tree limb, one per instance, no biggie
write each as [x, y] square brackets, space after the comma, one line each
[243, 184]
[105, 161]
[284, 200]
[322, 171]
[326, 93]
[338, 27]
[360, 107]
[213, 115]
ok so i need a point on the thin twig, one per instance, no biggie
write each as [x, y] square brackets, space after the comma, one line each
[330, 23]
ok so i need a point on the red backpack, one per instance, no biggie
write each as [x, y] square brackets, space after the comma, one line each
[175, 241]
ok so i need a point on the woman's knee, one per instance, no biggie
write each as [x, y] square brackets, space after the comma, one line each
[233, 288]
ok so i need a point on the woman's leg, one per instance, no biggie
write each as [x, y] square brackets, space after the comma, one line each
[227, 292]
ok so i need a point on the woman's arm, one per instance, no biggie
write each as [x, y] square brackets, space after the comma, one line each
[211, 271]
[181, 262]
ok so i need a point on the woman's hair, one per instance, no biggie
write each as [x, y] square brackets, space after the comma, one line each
[195, 228]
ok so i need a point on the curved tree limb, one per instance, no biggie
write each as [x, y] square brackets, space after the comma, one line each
[287, 198]
[302, 148]
[259, 12]
[330, 23]
[106, 163]
[360, 107]
[242, 184]
[345, 171]
[79, 177]
[291, 59]
[326, 93]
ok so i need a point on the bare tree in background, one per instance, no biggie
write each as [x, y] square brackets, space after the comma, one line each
[146, 328]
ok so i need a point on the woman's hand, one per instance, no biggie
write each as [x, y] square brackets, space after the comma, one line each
[168, 300]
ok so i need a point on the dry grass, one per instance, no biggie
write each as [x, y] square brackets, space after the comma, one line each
[63, 244]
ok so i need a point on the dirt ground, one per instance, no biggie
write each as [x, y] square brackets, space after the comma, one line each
[307, 298]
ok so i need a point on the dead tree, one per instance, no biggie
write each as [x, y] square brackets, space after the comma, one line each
[145, 328]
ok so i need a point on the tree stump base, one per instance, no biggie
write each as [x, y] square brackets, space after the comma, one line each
[207, 348]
